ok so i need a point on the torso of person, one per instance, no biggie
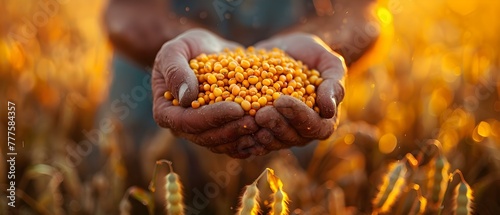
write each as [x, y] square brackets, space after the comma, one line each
[244, 21]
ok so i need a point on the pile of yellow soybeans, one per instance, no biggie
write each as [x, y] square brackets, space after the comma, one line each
[251, 78]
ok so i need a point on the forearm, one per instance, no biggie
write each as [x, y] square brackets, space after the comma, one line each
[138, 28]
[350, 30]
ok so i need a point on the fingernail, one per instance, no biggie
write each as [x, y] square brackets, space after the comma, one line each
[182, 90]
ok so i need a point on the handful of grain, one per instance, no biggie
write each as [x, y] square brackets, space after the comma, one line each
[252, 79]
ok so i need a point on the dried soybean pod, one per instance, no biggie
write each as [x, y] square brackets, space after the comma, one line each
[420, 204]
[173, 189]
[336, 201]
[175, 205]
[174, 197]
[391, 187]
[250, 201]
[412, 202]
[279, 205]
[125, 207]
[437, 180]
[462, 197]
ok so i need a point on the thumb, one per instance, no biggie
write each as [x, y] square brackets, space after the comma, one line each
[304, 119]
[329, 94]
[172, 63]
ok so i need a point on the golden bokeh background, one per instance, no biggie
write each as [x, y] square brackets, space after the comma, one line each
[433, 74]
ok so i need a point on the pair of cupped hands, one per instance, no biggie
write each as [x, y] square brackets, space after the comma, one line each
[223, 127]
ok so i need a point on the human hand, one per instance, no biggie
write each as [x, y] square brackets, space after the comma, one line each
[289, 122]
[222, 127]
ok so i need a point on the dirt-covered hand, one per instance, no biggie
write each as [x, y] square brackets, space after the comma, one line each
[222, 127]
[289, 122]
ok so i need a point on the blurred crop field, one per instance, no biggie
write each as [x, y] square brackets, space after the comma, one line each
[430, 87]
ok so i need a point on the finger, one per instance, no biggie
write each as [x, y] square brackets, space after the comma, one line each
[329, 94]
[270, 44]
[173, 61]
[160, 105]
[331, 91]
[202, 41]
[189, 120]
[228, 133]
[258, 150]
[266, 139]
[238, 149]
[305, 121]
[269, 118]
[308, 48]
[316, 54]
